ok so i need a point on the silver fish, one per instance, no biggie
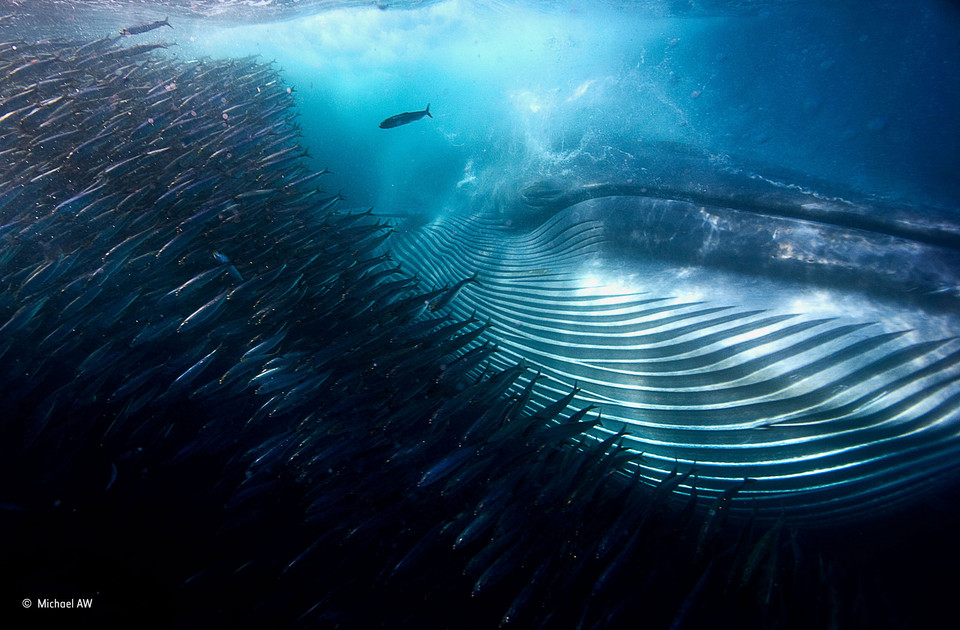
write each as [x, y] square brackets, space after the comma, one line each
[405, 118]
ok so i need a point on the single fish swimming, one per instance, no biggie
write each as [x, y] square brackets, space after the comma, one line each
[144, 28]
[405, 118]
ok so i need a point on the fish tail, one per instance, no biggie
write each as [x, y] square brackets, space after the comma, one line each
[428, 111]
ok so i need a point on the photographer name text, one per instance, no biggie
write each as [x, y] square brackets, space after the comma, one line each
[80, 602]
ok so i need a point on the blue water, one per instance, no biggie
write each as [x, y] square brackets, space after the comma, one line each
[861, 95]
[840, 96]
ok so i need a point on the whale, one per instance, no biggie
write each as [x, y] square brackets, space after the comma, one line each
[741, 325]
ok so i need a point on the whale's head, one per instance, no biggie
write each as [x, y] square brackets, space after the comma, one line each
[763, 333]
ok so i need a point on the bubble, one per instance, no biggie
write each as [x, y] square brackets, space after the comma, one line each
[225, 116]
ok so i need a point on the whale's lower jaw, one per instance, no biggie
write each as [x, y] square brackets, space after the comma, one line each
[824, 403]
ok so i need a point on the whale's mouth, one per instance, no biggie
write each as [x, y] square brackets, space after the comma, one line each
[801, 343]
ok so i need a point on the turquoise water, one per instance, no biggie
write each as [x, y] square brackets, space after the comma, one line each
[862, 96]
